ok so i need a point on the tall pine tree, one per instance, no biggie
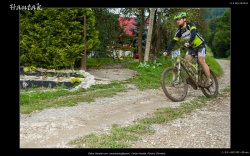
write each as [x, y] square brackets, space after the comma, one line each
[53, 37]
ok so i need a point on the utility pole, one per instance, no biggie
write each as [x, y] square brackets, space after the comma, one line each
[149, 35]
[84, 55]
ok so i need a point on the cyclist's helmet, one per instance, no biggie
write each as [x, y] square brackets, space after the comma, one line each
[180, 15]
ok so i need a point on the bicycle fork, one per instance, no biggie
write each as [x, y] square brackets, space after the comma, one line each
[176, 77]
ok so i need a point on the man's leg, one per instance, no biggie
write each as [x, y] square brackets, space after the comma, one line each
[188, 57]
[206, 69]
[202, 61]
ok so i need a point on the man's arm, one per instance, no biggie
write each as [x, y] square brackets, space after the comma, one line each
[171, 45]
[193, 32]
[175, 39]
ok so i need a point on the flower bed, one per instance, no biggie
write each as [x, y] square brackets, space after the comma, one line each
[49, 78]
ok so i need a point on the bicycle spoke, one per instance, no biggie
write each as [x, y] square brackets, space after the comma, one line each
[173, 85]
[212, 90]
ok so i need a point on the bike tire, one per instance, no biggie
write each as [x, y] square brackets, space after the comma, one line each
[213, 90]
[175, 92]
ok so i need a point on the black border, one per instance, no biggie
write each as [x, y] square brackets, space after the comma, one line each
[239, 104]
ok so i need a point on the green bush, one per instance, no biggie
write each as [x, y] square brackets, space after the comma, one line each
[52, 38]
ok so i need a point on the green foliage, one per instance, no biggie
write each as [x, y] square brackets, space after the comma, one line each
[143, 65]
[219, 39]
[214, 12]
[109, 30]
[29, 69]
[221, 45]
[53, 37]
[148, 73]
[137, 23]
[152, 64]
[214, 65]
[80, 76]
[33, 86]
[95, 62]
[47, 75]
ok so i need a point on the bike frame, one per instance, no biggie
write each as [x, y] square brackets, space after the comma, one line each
[180, 62]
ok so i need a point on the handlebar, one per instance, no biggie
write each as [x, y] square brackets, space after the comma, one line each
[183, 47]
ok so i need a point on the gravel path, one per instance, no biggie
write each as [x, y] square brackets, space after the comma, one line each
[204, 128]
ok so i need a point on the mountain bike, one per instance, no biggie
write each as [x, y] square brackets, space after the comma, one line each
[175, 79]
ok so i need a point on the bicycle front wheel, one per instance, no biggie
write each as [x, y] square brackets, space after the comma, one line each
[174, 85]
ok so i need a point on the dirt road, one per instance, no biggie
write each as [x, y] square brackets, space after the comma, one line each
[204, 128]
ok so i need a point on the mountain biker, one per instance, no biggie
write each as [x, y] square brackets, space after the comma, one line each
[195, 43]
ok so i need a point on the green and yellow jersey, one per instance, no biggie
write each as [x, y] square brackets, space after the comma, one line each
[188, 33]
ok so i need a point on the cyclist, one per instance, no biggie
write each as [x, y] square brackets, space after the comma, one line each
[195, 42]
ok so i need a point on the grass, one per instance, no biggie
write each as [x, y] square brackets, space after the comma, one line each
[123, 136]
[32, 99]
[214, 65]
[148, 76]
[95, 62]
[117, 138]
[210, 53]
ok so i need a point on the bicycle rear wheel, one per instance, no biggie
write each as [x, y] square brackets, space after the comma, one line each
[213, 90]
[173, 85]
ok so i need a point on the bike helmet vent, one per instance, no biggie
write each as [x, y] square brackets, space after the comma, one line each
[180, 15]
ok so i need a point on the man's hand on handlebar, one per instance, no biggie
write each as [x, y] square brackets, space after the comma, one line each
[186, 44]
[166, 53]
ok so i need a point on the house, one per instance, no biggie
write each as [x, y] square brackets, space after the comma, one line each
[126, 50]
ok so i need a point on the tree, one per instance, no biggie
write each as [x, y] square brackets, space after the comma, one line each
[108, 26]
[135, 30]
[221, 39]
[160, 33]
[140, 32]
[149, 35]
[214, 12]
[212, 29]
[136, 33]
[157, 33]
[53, 37]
